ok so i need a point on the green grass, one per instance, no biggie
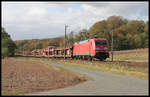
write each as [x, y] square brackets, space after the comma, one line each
[98, 66]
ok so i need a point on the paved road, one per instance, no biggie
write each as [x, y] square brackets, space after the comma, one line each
[101, 84]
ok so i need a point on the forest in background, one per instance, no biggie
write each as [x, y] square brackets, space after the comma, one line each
[127, 34]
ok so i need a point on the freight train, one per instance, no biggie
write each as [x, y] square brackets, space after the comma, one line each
[88, 50]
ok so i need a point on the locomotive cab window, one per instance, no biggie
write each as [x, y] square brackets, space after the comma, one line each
[101, 42]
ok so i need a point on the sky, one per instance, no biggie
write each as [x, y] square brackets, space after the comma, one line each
[38, 20]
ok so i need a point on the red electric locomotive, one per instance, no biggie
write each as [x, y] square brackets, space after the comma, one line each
[91, 48]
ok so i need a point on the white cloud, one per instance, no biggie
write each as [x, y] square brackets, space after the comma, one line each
[23, 20]
[125, 9]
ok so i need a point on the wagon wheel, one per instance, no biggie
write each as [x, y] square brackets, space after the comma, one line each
[102, 59]
[90, 58]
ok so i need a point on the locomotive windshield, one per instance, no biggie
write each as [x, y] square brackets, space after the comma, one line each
[100, 42]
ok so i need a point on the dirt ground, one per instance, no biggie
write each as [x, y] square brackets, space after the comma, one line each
[20, 76]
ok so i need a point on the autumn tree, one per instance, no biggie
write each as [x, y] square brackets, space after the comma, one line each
[146, 34]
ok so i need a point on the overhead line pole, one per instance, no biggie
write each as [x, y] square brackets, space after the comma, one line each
[112, 47]
[65, 42]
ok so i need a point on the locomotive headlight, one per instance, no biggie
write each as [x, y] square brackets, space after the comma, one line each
[105, 48]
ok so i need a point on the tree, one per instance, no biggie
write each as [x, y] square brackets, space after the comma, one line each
[146, 32]
[98, 29]
[146, 43]
[116, 21]
[53, 43]
[104, 27]
[4, 34]
[8, 47]
[137, 41]
[146, 27]
[84, 34]
[135, 27]
[70, 38]
[144, 39]
[39, 46]
[5, 52]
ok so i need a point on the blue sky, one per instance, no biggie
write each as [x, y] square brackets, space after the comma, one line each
[31, 20]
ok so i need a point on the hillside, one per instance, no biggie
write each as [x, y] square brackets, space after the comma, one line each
[38, 43]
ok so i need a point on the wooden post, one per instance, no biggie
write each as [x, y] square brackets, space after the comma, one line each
[112, 46]
[65, 42]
